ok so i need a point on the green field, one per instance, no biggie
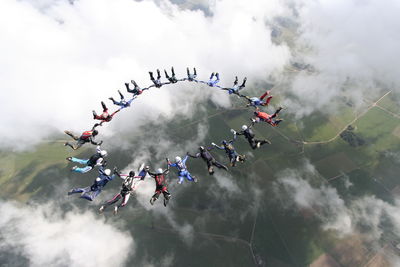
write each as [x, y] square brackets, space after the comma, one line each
[223, 223]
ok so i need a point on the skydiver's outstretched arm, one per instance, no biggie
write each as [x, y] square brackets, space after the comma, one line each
[193, 156]
[115, 112]
[217, 146]
[152, 174]
[233, 140]
[95, 143]
[167, 170]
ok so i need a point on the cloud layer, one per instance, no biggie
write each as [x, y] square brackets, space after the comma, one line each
[62, 59]
[46, 237]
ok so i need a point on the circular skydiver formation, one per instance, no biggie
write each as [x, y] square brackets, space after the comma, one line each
[132, 179]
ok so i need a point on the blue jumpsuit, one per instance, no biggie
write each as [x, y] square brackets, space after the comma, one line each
[95, 160]
[213, 83]
[182, 171]
[91, 192]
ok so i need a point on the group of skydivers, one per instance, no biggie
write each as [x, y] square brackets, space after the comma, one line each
[131, 180]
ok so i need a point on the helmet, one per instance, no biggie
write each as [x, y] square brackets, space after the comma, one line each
[178, 159]
[98, 179]
[244, 127]
[95, 132]
[107, 172]
[224, 142]
[159, 171]
[201, 148]
[131, 173]
[103, 153]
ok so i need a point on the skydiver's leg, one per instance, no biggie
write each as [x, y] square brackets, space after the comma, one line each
[91, 195]
[219, 165]
[113, 100]
[155, 196]
[195, 73]
[190, 178]
[217, 80]
[80, 161]
[173, 71]
[166, 75]
[180, 180]
[236, 81]
[113, 200]
[127, 88]
[268, 100]
[79, 190]
[264, 95]
[151, 76]
[121, 95]
[276, 122]
[212, 76]
[158, 74]
[167, 195]
[188, 73]
[72, 135]
[104, 106]
[125, 200]
[77, 146]
[81, 170]
[210, 168]
[252, 143]
[262, 142]
[276, 112]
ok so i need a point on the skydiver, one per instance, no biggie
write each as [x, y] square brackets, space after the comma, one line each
[263, 116]
[236, 88]
[86, 137]
[105, 116]
[211, 82]
[91, 192]
[95, 160]
[135, 91]
[157, 83]
[255, 101]
[128, 186]
[230, 151]
[171, 79]
[191, 77]
[123, 103]
[161, 184]
[250, 136]
[205, 154]
[180, 164]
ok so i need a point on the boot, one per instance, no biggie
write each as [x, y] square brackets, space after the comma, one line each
[115, 210]
[244, 82]
[101, 210]
[94, 114]
[166, 201]
[104, 106]
[152, 200]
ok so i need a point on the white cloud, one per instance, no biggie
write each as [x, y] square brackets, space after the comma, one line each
[60, 59]
[46, 237]
[350, 43]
